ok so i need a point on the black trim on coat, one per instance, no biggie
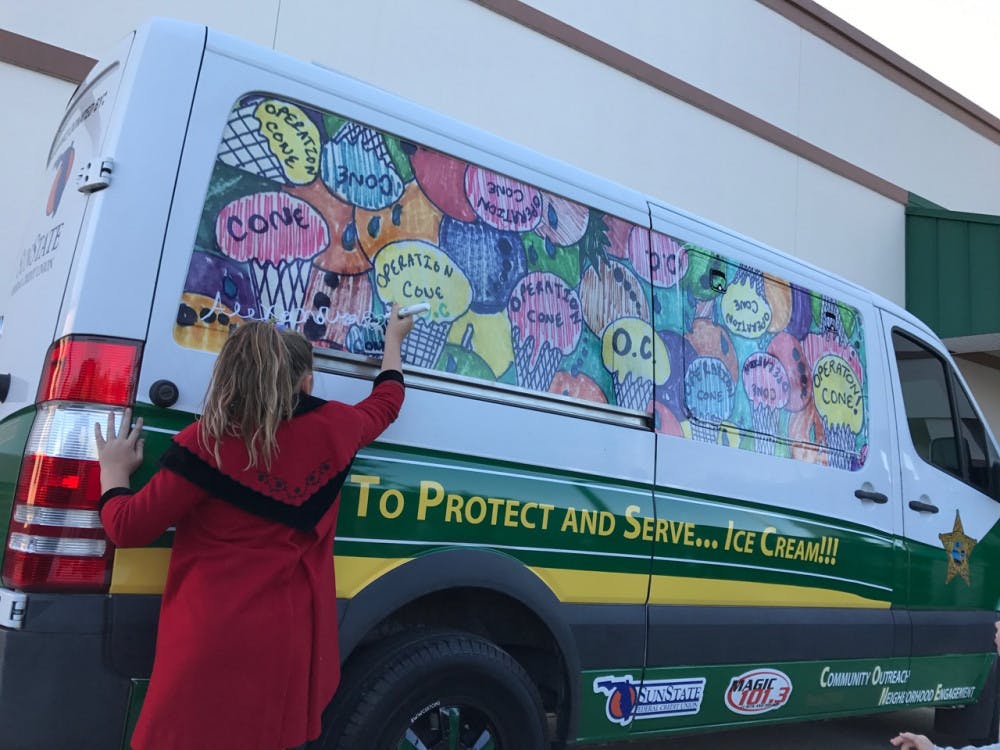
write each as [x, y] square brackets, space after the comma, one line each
[112, 493]
[305, 403]
[388, 375]
[304, 517]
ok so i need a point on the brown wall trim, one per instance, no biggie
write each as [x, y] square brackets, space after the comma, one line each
[630, 65]
[32, 54]
[834, 30]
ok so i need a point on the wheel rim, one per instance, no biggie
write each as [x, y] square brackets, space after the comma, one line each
[450, 728]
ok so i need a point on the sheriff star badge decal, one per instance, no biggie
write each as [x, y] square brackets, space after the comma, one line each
[958, 547]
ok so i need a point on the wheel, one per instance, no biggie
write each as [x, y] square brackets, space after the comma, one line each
[436, 691]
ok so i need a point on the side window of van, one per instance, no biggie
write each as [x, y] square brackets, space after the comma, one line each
[761, 364]
[943, 426]
[317, 222]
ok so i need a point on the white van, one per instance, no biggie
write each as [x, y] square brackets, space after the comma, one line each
[650, 476]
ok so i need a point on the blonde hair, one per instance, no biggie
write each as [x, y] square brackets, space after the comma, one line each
[254, 387]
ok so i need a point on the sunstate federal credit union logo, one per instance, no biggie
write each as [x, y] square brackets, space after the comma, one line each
[629, 699]
[758, 691]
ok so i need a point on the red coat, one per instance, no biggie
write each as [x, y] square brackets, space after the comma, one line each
[246, 652]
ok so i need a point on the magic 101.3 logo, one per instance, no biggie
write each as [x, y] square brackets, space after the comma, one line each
[758, 691]
[628, 699]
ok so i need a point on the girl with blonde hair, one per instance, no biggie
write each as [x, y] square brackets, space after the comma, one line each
[246, 652]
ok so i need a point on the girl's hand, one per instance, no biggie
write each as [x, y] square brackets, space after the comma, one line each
[910, 741]
[397, 327]
[120, 454]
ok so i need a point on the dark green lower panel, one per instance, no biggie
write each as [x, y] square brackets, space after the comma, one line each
[617, 703]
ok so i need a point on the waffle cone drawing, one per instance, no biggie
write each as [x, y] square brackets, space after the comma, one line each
[281, 287]
[839, 443]
[634, 392]
[765, 425]
[423, 346]
[535, 370]
[245, 147]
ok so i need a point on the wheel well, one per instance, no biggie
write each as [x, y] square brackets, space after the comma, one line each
[500, 619]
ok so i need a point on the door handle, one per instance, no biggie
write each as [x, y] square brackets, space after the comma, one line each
[923, 507]
[875, 497]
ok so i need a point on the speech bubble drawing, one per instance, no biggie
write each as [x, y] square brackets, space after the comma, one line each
[412, 271]
[545, 309]
[270, 228]
[709, 390]
[657, 257]
[765, 381]
[293, 138]
[357, 167]
[837, 393]
[501, 202]
[745, 310]
[630, 347]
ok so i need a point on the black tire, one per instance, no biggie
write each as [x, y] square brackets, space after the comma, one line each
[435, 684]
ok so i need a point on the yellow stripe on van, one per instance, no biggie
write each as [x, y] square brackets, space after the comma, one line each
[140, 570]
[591, 587]
[594, 587]
[144, 571]
[709, 592]
[354, 573]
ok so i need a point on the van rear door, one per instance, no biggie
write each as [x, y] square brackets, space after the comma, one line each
[34, 287]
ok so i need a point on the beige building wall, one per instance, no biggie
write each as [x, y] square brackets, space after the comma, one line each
[463, 59]
[26, 130]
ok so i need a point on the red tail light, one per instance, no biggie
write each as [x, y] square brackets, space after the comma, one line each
[91, 370]
[55, 540]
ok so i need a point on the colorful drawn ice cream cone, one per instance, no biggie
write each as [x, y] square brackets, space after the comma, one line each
[766, 384]
[633, 392]
[709, 392]
[535, 366]
[423, 346]
[244, 145]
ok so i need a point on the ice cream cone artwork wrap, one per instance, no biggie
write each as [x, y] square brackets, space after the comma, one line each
[709, 391]
[545, 325]
[412, 271]
[766, 384]
[839, 400]
[272, 139]
[636, 358]
[276, 234]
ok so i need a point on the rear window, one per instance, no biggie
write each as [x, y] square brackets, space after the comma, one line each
[755, 361]
[316, 222]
